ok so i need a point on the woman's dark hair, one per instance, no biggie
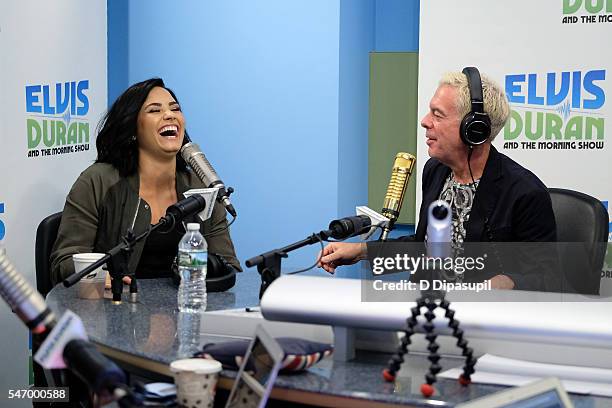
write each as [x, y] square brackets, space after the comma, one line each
[115, 142]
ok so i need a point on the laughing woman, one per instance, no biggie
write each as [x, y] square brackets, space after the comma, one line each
[138, 174]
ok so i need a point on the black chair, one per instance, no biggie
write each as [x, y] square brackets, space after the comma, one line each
[46, 233]
[582, 233]
[45, 238]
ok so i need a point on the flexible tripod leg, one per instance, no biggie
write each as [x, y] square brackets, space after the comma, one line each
[396, 361]
[467, 352]
[430, 378]
[430, 301]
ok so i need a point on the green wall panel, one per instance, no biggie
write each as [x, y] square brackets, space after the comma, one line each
[392, 124]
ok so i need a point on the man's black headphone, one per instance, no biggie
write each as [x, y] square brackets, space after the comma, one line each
[475, 127]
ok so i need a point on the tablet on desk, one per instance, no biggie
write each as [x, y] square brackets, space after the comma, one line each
[257, 373]
[547, 393]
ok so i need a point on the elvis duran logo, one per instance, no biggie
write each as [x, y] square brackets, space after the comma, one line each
[56, 118]
[591, 11]
[555, 110]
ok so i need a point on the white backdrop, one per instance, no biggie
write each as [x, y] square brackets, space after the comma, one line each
[553, 59]
[45, 47]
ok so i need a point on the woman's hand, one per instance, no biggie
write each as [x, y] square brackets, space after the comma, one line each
[107, 285]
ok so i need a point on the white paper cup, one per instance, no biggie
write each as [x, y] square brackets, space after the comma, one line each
[196, 381]
[92, 285]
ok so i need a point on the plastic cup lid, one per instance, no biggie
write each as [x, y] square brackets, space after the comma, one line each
[88, 256]
[197, 365]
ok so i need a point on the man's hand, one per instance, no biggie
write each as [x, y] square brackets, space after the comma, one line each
[341, 253]
[502, 282]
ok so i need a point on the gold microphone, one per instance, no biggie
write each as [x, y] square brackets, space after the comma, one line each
[400, 175]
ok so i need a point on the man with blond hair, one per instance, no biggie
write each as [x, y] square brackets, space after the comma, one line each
[492, 197]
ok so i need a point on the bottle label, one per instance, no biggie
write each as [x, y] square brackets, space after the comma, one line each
[193, 258]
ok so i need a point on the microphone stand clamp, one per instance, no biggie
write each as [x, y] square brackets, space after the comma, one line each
[386, 230]
[270, 268]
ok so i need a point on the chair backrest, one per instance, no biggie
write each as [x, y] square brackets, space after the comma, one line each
[581, 219]
[45, 238]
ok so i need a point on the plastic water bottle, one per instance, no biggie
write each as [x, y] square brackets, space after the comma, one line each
[192, 260]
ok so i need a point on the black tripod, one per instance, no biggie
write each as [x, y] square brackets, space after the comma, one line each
[431, 300]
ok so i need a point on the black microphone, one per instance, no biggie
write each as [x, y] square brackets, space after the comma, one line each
[194, 157]
[349, 226]
[182, 209]
[95, 370]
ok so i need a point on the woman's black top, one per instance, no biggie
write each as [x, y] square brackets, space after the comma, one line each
[158, 254]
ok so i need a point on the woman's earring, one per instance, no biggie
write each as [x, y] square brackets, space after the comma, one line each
[133, 138]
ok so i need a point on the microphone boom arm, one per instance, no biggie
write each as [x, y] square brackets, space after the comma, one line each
[269, 263]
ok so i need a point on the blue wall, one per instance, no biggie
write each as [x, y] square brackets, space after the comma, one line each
[397, 25]
[356, 42]
[276, 94]
[117, 34]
